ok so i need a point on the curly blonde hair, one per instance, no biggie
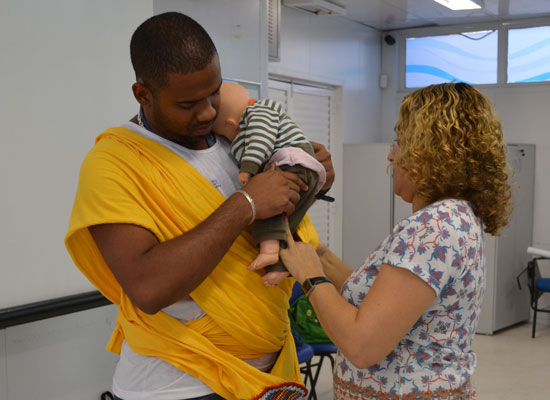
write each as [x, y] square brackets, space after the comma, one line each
[452, 146]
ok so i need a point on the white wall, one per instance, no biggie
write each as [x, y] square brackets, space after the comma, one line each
[61, 358]
[238, 29]
[336, 51]
[66, 76]
[391, 97]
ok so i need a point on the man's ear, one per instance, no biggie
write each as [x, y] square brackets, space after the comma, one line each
[142, 94]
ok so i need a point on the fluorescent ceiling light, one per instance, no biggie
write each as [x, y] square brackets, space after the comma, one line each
[460, 4]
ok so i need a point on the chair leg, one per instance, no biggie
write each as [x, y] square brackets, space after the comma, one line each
[313, 395]
[535, 318]
[307, 375]
[331, 358]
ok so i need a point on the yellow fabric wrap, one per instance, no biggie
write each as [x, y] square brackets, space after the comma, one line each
[127, 178]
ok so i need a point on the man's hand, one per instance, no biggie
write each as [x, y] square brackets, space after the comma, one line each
[274, 192]
[324, 157]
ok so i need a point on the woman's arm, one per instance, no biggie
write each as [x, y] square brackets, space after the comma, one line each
[369, 333]
[333, 266]
[390, 309]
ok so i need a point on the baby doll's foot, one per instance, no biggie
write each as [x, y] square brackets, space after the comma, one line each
[263, 260]
[273, 278]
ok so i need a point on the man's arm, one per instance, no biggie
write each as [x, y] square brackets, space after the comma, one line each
[155, 275]
[324, 157]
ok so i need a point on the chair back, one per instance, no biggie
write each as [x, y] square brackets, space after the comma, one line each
[533, 273]
[296, 292]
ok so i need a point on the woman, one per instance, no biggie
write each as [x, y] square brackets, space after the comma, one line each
[404, 321]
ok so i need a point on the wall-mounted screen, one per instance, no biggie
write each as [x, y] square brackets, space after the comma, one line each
[529, 55]
[464, 57]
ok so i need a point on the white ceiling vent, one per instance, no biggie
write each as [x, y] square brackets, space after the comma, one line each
[319, 7]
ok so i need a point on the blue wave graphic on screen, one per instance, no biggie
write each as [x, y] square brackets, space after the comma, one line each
[436, 44]
[533, 64]
[530, 60]
[451, 58]
[433, 71]
[538, 78]
[531, 49]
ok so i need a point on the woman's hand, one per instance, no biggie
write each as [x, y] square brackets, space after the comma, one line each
[300, 259]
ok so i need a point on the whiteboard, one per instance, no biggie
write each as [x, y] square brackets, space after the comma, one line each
[65, 77]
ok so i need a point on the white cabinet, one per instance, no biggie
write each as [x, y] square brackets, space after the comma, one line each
[504, 303]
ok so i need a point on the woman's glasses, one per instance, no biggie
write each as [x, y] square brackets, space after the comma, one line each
[393, 144]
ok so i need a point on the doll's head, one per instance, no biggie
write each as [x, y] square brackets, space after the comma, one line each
[234, 99]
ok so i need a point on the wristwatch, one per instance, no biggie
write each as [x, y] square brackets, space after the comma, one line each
[310, 283]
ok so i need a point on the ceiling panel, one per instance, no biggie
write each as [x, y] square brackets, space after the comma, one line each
[401, 14]
[384, 15]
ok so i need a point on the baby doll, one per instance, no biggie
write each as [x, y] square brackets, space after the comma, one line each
[262, 135]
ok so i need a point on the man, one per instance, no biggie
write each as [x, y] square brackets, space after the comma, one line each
[158, 224]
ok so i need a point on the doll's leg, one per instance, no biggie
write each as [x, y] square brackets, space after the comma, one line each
[273, 230]
[275, 274]
[269, 254]
[273, 278]
[268, 233]
[307, 198]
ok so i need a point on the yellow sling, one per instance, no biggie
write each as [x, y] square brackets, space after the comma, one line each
[127, 178]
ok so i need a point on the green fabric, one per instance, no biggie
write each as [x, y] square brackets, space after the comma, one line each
[304, 320]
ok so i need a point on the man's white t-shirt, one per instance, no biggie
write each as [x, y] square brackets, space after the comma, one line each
[139, 377]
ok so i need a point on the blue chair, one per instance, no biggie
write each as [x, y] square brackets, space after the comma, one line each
[304, 352]
[321, 350]
[296, 292]
[537, 287]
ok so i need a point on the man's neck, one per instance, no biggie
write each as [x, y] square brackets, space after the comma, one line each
[200, 143]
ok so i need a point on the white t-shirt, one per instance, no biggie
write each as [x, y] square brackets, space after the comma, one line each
[139, 377]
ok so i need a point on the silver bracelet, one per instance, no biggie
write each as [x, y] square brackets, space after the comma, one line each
[252, 205]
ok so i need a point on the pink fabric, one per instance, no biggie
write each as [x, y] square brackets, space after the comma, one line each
[297, 156]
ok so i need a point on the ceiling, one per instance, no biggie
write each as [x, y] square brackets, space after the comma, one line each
[387, 15]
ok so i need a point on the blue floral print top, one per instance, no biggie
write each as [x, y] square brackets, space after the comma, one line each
[443, 245]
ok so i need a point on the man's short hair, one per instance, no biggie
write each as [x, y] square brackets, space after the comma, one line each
[169, 43]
